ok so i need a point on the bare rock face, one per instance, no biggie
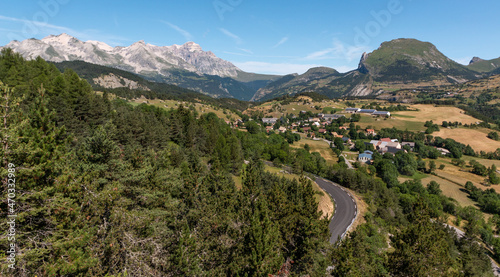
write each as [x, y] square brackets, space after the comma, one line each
[362, 66]
[113, 81]
[139, 57]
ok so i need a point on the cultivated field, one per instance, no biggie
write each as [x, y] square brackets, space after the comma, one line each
[436, 114]
[401, 123]
[477, 138]
[452, 190]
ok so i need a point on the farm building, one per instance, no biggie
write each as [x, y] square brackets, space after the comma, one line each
[352, 110]
[330, 117]
[381, 113]
[370, 111]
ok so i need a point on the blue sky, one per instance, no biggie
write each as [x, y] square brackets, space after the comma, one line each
[277, 36]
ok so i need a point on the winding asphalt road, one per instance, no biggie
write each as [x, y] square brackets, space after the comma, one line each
[345, 208]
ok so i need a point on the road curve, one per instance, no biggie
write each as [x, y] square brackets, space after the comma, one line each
[345, 208]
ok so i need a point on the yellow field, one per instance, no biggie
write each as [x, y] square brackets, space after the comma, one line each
[485, 162]
[437, 114]
[449, 189]
[452, 190]
[401, 123]
[462, 175]
[477, 138]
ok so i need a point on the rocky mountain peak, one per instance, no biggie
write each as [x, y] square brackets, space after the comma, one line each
[191, 46]
[362, 66]
[138, 57]
[475, 60]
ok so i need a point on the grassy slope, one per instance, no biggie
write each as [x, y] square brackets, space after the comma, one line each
[485, 65]
[200, 108]
[318, 146]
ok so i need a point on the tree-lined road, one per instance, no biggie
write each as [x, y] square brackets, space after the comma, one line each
[345, 208]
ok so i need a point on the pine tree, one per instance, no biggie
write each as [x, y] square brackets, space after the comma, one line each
[422, 248]
[262, 242]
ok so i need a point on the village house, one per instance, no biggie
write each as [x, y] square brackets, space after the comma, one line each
[365, 157]
[443, 151]
[269, 120]
[393, 150]
[330, 117]
[282, 129]
[394, 144]
[322, 131]
[410, 144]
[335, 135]
[346, 139]
[370, 132]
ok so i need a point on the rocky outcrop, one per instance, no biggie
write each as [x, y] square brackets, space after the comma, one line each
[362, 66]
[475, 60]
[113, 81]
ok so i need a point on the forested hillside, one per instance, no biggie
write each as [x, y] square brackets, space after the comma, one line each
[103, 188]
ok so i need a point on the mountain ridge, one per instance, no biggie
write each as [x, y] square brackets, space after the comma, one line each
[396, 64]
[480, 65]
[186, 65]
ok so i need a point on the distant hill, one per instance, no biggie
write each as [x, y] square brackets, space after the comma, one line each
[411, 60]
[480, 65]
[396, 64]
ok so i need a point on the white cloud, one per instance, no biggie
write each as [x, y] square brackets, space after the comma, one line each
[39, 29]
[319, 55]
[236, 38]
[245, 50]
[32, 28]
[283, 40]
[344, 68]
[339, 50]
[274, 68]
[464, 60]
[348, 52]
[181, 31]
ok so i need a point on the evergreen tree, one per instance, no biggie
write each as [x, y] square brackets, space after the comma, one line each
[422, 248]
